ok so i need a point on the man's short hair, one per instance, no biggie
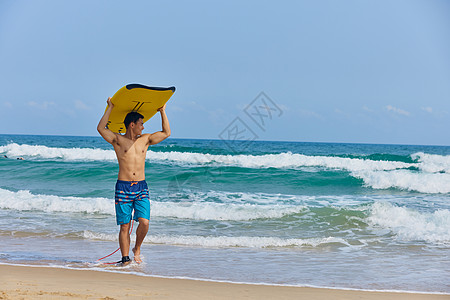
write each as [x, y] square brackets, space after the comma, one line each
[133, 116]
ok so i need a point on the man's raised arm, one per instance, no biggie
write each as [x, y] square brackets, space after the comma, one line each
[107, 134]
[159, 136]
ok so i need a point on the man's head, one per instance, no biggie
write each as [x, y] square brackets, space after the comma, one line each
[134, 121]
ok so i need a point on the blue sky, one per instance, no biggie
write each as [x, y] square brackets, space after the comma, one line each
[339, 71]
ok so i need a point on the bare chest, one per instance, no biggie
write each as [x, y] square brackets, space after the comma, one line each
[130, 150]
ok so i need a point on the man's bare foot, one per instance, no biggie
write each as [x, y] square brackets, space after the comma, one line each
[137, 255]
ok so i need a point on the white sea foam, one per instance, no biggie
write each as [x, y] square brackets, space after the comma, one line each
[26, 201]
[281, 160]
[406, 223]
[432, 174]
[222, 211]
[68, 154]
[432, 163]
[224, 241]
[243, 241]
[247, 198]
[407, 180]
[409, 224]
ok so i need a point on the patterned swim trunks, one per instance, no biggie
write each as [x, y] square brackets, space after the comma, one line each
[131, 195]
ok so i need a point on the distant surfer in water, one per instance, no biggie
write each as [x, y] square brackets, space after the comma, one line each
[131, 187]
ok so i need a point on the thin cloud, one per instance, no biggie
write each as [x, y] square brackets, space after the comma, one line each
[428, 109]
[310, 113]
[196, 106]
[175, 108]
[218, 116]
[398, 111]
[365, 108]
[7, 104]
[80, 105]
[342, 113]
[43, 105]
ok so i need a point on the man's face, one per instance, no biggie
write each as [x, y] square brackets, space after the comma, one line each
[138, 126]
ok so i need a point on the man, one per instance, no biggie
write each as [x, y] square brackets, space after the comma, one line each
[131, 188]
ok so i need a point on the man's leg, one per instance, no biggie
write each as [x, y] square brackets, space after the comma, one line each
[124, 239]
[141, 232]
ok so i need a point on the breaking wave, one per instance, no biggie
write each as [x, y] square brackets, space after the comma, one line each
[428, 173]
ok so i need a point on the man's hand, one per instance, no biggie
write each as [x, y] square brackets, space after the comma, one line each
[110, 104]
[107, 134]
[163, 108]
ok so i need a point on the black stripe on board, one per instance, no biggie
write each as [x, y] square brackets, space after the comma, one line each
[141, 86]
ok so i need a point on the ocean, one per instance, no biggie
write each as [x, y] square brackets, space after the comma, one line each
[354, 216]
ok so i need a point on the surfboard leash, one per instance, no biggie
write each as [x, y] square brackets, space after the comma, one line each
[113, 263]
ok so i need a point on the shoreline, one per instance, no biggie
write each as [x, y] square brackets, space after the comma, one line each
[28, 282]
[144, 275]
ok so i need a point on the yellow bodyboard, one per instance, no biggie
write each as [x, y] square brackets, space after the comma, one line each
[136, 97]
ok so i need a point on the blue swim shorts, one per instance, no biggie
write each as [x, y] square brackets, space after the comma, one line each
[131, 195]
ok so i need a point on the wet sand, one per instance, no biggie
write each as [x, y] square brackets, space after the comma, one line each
[18, 282]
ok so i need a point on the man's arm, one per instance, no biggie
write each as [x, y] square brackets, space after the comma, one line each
[159, 136]
[107, 134]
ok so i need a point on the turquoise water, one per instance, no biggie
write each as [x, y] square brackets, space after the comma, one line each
[315, 214]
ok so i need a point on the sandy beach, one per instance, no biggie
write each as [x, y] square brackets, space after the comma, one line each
[20, 282]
